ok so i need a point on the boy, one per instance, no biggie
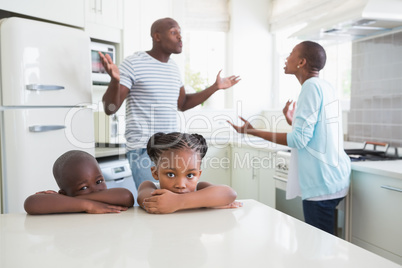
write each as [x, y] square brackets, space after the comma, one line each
[82, 189]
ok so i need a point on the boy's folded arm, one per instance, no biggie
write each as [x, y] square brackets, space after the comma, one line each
[53, 203]
[113, 196]
[58, 203]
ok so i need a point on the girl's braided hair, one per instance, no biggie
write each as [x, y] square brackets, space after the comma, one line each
[161, 142]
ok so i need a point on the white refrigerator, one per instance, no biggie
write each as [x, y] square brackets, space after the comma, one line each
[46, 95]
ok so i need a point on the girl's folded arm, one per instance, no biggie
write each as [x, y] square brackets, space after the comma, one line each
[144, 191]
[209, 195]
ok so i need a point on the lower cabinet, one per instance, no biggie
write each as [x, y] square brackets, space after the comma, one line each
[216, 165]
[266, 190]
[376, 214]
[249, 171]
[252, 174]
[244, 175]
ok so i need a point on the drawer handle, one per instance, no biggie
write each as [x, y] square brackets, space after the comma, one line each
[391, 188]
[375, 144]
[45, 128]
[35, 87]
[280, 179]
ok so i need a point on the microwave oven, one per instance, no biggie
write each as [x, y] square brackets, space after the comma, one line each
[99, 75]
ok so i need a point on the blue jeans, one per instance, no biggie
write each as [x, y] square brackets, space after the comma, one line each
[321, 214]
[140, 165]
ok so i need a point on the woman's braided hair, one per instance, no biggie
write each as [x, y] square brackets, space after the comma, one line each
[161, 142]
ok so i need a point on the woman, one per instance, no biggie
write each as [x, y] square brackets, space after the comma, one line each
[319, 168]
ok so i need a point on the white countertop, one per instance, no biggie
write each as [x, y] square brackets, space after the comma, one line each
[391, 168]
[247, 141]
[252, 236]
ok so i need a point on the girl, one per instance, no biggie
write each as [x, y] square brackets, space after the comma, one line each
[177, 157]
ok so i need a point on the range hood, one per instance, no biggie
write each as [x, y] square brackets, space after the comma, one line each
[354, 19]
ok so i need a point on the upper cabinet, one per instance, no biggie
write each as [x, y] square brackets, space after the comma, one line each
[65, 12]
[101, 19]
[104, 19]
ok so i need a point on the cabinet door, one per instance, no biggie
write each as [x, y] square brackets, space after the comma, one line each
[245, 173]
[375, 215]
[112, 13]
[265, 177]
[70, 12]
[104, 19]
[91, 10]
[216, 165]
[105, 12]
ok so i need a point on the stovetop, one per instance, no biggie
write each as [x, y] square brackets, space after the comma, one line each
[369, 155]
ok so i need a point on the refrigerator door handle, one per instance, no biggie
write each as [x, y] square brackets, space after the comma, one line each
[36, 87]
[45, 128]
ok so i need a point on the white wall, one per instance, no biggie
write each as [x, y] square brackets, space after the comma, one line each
[138, 18]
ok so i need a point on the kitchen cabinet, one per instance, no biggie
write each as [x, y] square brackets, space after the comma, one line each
[375, 214]
[266, 190]
[244, 176]
[216, 166]
[104, 19]
[252, 174]
[66, 12]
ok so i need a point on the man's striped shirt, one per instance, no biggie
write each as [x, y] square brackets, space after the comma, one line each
[151, 105]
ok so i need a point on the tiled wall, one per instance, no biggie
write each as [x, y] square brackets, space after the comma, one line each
[376, 94]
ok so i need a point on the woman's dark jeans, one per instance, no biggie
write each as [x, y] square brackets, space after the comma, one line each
[321, 214]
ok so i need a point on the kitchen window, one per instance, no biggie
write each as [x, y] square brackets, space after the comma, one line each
[206, 24]
[338, 70]
[205, 55]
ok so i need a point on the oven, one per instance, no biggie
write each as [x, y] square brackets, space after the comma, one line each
[294, 207]
[117, 173]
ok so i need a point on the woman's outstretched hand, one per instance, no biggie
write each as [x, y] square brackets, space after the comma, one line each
[245, 128]
[289, 113]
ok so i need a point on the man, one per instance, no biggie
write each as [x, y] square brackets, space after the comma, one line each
[151, 83]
